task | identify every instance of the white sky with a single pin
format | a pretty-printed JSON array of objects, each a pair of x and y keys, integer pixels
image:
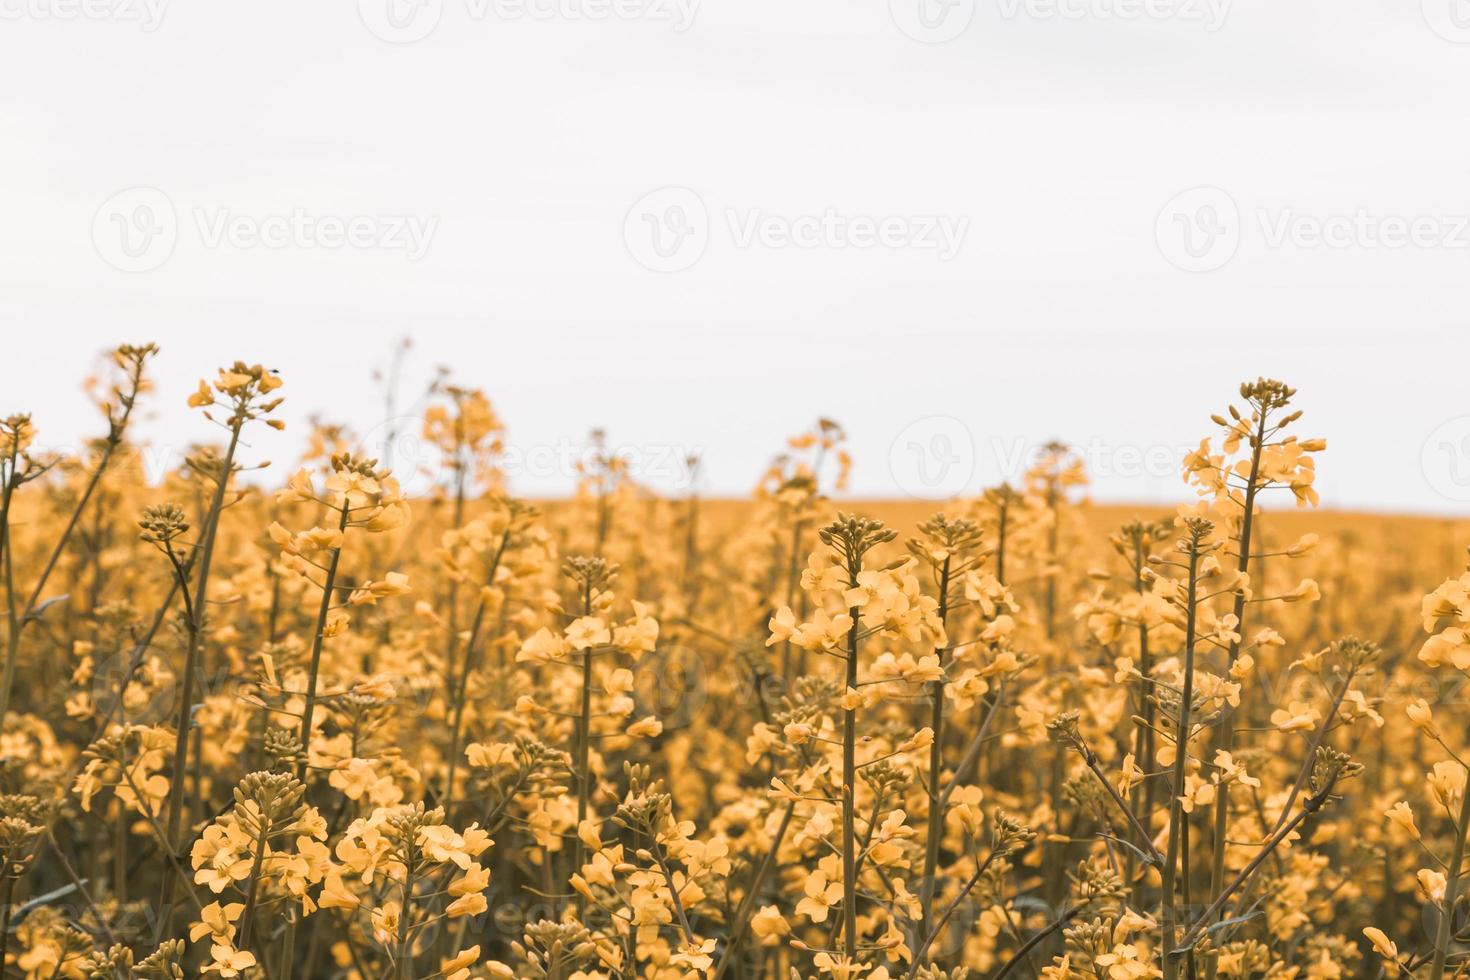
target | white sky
[{"x": 1053, "y": 134}]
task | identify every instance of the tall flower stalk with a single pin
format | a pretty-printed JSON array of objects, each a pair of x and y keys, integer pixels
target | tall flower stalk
[
  {"x": 1194, "y": 547},
  {"x": 242, "y": 389},
  {"x": 357, "y": 496},
  {"x": 851, "y": 538},
  {"x": 15, "y": 433}
]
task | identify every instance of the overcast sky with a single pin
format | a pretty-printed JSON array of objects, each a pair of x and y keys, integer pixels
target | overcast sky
[{"x": 959, "y": 228}]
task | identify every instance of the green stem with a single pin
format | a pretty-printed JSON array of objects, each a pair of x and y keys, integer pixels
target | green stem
[
  {"x": 114, "y": 439},
  {"x": 404, "y": 965},
  {"x": 584, "y": 750},
  {"x": 936, "y": 766},
  {"x": 1451, "y": 891},
  {"x": 1181, "y": 752},
  {"x": 849, "y": 792},
  {"x": 742, "y": 915},
  {"x": 1225, "y": 735},
  {"x": 462, "y": 685},
  {"x": 195, "y": 623},
  {"x": 317, "y": 640}
]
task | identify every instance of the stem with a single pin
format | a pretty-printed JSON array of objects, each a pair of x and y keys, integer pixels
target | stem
[
  {"x": 1037, "y": 940},
  {"x": 930, "y": 934},
  {"x": 849, "y": 782},
  {"x": 195, "y": 622},
  {"x": 742, "y": 915},
  {"x": 936, "y": 766},
  {"x": 464, "y": 676},
  {"x": 317, "y": 641},
  {"x": 584, "y": 749},
  {"x": 288, "y": 948},
  {"x": 1451, "y": 892},
  {"x": 7, "y": 895},
  {"x": 1225, "y": 736},
  {"x": 12, "y": 634},
  {"x": 81, "y": 887},
  {"x": 247, "y": 916},
  {"x": 1153, "y": 852},
  {"x": 12, "y": 645},
  {"x": 1181, "y": 751},
  {"x": 404, "y": 966},
  {"x": 663, "y": 865},
  {"x": 1310, "y": 807}
]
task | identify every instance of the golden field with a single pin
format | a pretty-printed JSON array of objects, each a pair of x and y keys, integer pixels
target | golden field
[{"x": 292, "y": 723}]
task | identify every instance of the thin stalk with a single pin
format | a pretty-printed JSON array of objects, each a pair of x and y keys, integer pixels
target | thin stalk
[
  {"x": 462, "y": 685},
  {"x": 1451, "y": 891},
  {"x": 114, "y": 439},
  {"x": 932, "y": 933},
  {"x": 7, "y": 896},
  {"x": 1225, "y": 734},
  {"x": 742, "y": 914},
  {"x": 1143, "y": 749},
  {"x": 849, "y": 792},
  {"x": 195, "y": 607},
  {"x": 404, "y": 957},
  {"x": 247, "y": 917},
  {"x": 1310, "y": 807},
  {"x": 288, "y": 948},
  {"x": 1036, "y": 940},
  {"x": 584, "y": 748},
  {"x": 318, "y": 638},
  {"x": 936, "y": 767},
  {"x": 80, "y": 886},
  {"x": 1052, "y": 541},
  {"x": 12, "y": 630},
  {"x": 1152, "y": 852},
  {"x": 1181, "y": 752}
]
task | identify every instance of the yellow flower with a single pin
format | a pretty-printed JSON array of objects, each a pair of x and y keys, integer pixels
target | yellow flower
[
  {"x": 456, "y": 967},
  {"x": 769, "y": 925},
  {"x": 217, "y": 922},
  {"x": 588, "y": 632},
  {"x": 1431, "y": 884},
  {"x": 1403, "y": 816},
  {"x": 228, "y": 961},
  {"x": 645, "y": 728},
  {"x": 1384, "y": 947},
  {"x": 820, "y": 895}
]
